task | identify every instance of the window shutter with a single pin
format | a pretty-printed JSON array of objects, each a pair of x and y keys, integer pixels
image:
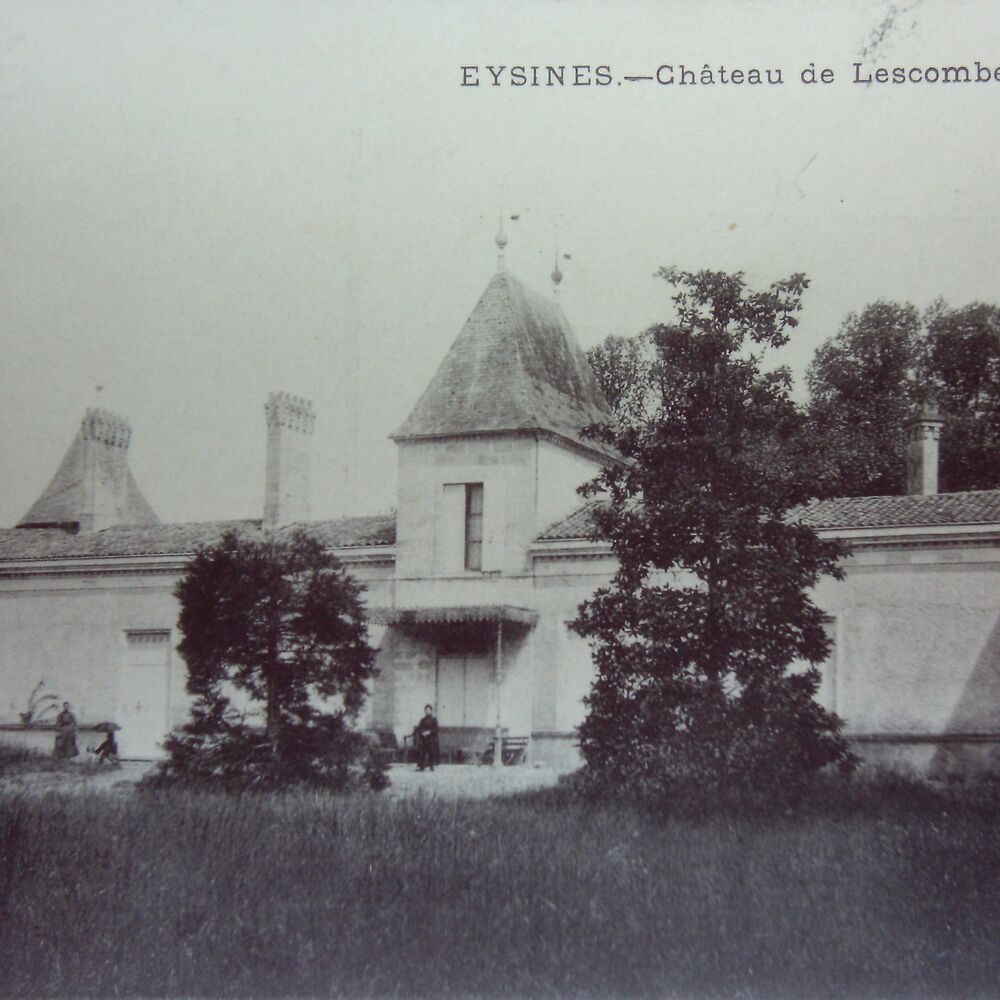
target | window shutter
[
  {"x": 449, "y": 530},
  {"x": 494, "y": 518}
]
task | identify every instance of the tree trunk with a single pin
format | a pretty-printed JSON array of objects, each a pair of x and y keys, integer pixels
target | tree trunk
[{"x": 273, "y": 718}]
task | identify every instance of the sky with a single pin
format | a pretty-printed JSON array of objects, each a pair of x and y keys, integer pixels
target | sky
[{"x": 203, "y": 202}]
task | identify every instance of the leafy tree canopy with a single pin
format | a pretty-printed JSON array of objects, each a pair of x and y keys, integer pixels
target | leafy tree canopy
[
  {"x": 861, "y": 388},
  {"x": 961, "y": 366},
  {"x": 280, "y": 625},
  {"x": 627, "y": 370},
  {"x": 706, "y": 642},
  {"x": 864, "y": 381}
]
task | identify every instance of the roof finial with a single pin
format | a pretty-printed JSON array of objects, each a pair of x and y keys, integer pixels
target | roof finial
[
  {"x": 501, "y": 242},
  {"x": 557, "y": 275}
]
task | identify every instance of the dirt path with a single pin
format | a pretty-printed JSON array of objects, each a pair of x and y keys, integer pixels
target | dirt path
[{"x": 451, "y": 781}]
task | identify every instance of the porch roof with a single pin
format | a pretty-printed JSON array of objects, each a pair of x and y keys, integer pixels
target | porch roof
[{"x": 454, "y": 615}]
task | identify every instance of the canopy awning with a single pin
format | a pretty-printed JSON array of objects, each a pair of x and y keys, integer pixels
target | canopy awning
[{"x": 454, "y": 615}]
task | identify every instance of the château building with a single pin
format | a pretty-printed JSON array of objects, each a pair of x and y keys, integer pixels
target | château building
[{"x": 472, "y": 581}]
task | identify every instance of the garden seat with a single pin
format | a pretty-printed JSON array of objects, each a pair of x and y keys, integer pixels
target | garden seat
[
  {"x": 514, "y": 750},
  {"x": 457, "y": 744}
]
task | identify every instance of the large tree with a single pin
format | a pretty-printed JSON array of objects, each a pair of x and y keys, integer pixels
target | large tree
[
  {"x": 862, "y": 385},
  {"x": 961, "y": 366},
  {"x": 883, "y": 362},
  {"x": 863, "y": 382},
  {"x": 707, "y": 642},
  {"x": 279, "y": 626}
]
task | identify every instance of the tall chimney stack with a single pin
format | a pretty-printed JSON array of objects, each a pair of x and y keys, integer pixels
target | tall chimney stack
[
  {"x": 923, "y": 432},
  {"x": 290, "y": 423},
  {"x": 105, "y": 439}
]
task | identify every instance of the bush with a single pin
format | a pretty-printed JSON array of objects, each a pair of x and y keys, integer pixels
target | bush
[{"x": 236, "y": 756}]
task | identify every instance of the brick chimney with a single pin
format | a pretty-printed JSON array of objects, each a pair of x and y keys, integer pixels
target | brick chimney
[
  {"x": 923, "y": 431},
  {"x": 290, "y": 423}
]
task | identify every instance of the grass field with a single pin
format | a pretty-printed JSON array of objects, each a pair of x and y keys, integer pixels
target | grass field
[{"x": 179, "y": 893}]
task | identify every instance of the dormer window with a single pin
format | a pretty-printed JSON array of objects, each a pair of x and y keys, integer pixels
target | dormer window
[{"x": 474, "y": 526}]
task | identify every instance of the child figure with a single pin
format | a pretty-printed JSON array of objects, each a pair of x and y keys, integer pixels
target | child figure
[{"x": 107, "y": 752}]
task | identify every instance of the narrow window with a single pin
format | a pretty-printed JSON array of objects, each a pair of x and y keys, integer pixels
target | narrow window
[{"x": 474, "y": 526}]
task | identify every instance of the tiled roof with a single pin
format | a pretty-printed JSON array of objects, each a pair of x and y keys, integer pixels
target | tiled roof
[
  {"x": 576, "y": 525},
  {"x": 21, "y": 544},
  {"x": 941, "y": 509},
  {"x": 516, "y": 365},
  {"x": 979, "y": 507}
]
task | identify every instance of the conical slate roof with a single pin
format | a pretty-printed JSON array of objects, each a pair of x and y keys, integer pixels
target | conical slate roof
[
  {"x": 93, "y": 480},
  {"x": 516, "y": 365}
]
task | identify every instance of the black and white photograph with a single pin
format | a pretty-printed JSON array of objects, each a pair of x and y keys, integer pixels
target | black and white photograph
[{"x": 500, "y": 499}]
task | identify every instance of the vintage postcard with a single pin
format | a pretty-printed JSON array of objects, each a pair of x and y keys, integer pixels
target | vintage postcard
[{"x": 319, "y": 676}]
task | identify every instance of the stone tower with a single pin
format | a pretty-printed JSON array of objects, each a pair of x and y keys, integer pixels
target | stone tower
[{"x": 494, "y": 450}]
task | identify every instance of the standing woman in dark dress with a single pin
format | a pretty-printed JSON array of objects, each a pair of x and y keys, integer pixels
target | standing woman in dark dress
[{"x": 66, "y": 733}]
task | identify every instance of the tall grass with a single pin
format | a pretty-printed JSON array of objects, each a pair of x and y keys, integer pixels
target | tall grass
[{"x": 180, "y": 893}]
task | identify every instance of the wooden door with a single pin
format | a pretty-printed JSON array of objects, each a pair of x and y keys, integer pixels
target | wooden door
[
  {"x": 465, "y": 691},
  {"x": 450, "y": 709},
  {"x": 143, "y": 709}
]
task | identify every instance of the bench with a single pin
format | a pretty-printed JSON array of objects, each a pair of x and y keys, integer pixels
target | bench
[
  {"x": 513, "y": 750},
  {"x": 457, "y": 744}
]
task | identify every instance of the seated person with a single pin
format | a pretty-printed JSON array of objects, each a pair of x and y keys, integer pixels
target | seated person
[{"x": 107, "y": 752}]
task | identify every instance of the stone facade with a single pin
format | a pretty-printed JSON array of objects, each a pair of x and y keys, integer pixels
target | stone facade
[{"x": 489, "y": 551}]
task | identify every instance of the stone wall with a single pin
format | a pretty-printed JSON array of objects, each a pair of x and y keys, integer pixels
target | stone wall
[
  {"x": 916, "y": 669},
  {"x": 69, "y": 628},
  {"x": 560, "y": 472},
  {"x": 562, "y": 666},
  {"x": 506, "y": 468},
  {"x": 69, "y": 631}
]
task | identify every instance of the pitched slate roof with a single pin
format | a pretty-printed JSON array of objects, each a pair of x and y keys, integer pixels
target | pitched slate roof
[
  {"x": 62, "y": 502},
  {"x": 516, "y": 365},
  {"x": 938, "y": 510},
  {"x": 24, "y": 544}
]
